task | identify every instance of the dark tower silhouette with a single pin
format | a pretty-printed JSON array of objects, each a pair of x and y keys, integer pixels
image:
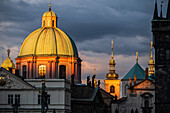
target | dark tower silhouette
[{"x": 161, "y": 39}]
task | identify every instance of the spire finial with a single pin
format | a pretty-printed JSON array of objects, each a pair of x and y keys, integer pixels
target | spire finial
[
  {"x": 94, "y": 70},
  {"x": 136, "y": 57},
  {"x": 151, "y": 49},
  {"x": 49, "y": 5},
  {"x": 8, "y": 51},
  {"x": 161, "y": 9},
  {"x": 155, "y": 16},
  {"x": 112, "y": 50}
]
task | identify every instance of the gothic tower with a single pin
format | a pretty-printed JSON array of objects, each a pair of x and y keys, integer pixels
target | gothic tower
[
  {"x": 161, "y": 43},
  {"x": 112, "y": 83}
]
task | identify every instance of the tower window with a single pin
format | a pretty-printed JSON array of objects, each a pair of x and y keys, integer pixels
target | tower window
[
  {"x": 62, "y": 72},
  {"x": 42, "y": 70},
  {"x": 24, "y": 70},
  {"x": 112, "y": 89},
  {"x": 53, "y": 23},
  {"x": 44, "y": 23}
]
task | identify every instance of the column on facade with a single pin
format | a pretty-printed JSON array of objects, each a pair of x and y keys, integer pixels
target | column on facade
[
  {"x": 56, "y": 69},
  {"x": 31, "y": 69},
  {"x": 49, "y": 69},
  {"x": 34, "y": 69},
  {"x": 53, "y": 69},
  {"x": 28, "y": 67},
  {"x": 75, "y": 71}
]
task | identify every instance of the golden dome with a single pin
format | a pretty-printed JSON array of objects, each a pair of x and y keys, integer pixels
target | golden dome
[
  {"x": 112, "y": 61},
  {"x": 8, "y": 63},
  {"x": 151, "y": 61},
  {"x": 112, "y": 76},
  {"x": 48, "y": 41},
  {"x": 49, "y": 13}
]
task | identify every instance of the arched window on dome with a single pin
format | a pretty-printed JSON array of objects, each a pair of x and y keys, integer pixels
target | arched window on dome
[
  {"x": 42, "y": 70},
  {"x": 112, "y": 89},
  {"x": 62, "y": 72},
  {"x": 43, "y": 22},
  {"x": 52, "y": 23},
  {"x": 24, "y": 71}
]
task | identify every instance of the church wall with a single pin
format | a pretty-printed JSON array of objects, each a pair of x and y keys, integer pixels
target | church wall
[
  {"x": 134, "y": 101},
  {"x": 126, "y": 82}
]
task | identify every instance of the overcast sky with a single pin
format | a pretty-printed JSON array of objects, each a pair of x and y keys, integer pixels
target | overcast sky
[{"x": 92, "y": 24}]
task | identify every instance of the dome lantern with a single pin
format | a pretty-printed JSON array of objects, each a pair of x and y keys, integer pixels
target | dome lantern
[{"x": 49, "y": 18}]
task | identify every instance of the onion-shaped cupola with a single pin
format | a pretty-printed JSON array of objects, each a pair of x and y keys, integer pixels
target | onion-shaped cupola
[
  {"x": 8, "y": 63},
  {"x": 112, "y": 74}
]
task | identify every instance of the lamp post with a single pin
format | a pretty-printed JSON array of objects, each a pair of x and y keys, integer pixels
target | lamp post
[{"x": 43, "y": 96}]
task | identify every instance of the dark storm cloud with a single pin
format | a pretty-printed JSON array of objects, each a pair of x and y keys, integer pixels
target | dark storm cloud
[{"x": 84, "y": 20}]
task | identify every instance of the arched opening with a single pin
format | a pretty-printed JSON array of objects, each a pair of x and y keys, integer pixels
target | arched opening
[
  {"x": 112, "y": 89},
  {"x": 24, "y": 71},
  {"x": 126, "y": 89},
  {"x": 132, "y": 111},
  {"x": 52, "y": 23},
  {"x": 43, "y": 22},
  {"x": 42, "y": 70},
  {"x": 146, "y": 102},
  {"x": 62, "y": 72},
  {"x": 136, "y": 111}
]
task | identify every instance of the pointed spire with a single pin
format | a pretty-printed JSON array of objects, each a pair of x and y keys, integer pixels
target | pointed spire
[
  {"x": 151, "y": 50},
  {"x": 168, "y": 11},
  {"x": 50, "y": 5},
  {"x": 112, "y": 50},
  {"x": 161, "y": 9},
  {"x": 155, "y": 16},
  {"x": 136, "y": 57},
  {"x": 8, "y": 51}
]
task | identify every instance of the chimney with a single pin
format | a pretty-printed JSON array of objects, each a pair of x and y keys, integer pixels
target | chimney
[
  {"x": 130, "y": 81},
  {"x": 135, "y": 78},
  {"x": 146, "y": 73}
]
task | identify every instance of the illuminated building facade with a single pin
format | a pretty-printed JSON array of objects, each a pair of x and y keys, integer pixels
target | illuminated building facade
[{"x": 112, "y": 83}]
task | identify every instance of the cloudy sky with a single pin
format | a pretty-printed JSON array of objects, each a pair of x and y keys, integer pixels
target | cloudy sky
[{"x": 91, "y": 23}]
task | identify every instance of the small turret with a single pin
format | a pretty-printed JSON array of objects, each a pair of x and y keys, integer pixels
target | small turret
[
  {"x": 112, "y": 74},
  {"x": 151, "y": 62}
]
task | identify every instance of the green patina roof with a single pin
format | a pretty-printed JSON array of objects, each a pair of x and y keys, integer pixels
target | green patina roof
[{"x": 136, "y": 70}]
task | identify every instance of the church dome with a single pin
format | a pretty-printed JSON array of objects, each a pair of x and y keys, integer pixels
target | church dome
[
  {"x": 151, "y": 61},
  {"x": 49, "y": 13},
  {"x": 48, "y": 40},
  {"x": 8, "y": 63}
]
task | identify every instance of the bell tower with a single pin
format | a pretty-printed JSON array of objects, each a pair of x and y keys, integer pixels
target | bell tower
[
  {"x": 161, "y": 43},
  {"x": 112, "y": 83},
  {"x": 151, "y": 63}
]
